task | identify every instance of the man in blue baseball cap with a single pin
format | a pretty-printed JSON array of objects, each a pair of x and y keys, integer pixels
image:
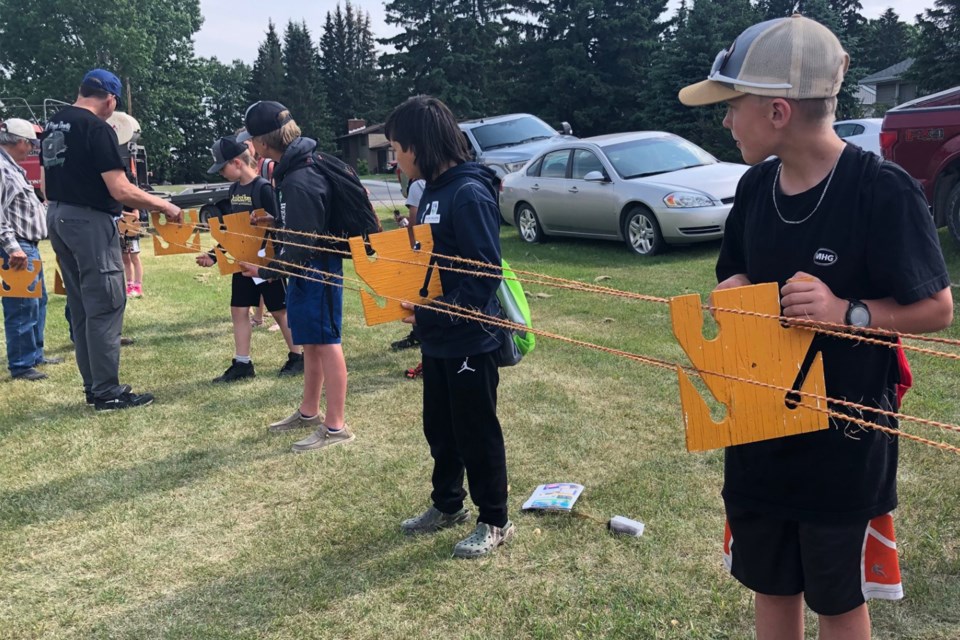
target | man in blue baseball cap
[
  {"x": 103, "y": 80},
  {"x": 86, "y": 187}
]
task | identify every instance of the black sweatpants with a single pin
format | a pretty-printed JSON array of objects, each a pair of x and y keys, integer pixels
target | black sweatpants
[{"x": 461, "y": 426}]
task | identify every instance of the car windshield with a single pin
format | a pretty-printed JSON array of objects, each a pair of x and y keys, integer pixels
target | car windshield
[
  {"x": 511, "y": 132},
  {"x": 650, "y": 156}
]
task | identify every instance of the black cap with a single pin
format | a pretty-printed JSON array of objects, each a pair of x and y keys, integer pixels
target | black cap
[
  {"x": 263, "y": 117},
  {"x": 224, "y": 150}
]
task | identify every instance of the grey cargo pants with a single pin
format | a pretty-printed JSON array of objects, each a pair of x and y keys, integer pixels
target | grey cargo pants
[{"x": 87, "y": 245}]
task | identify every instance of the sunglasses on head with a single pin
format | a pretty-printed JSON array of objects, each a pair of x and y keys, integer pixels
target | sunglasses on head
[{"x": 717, "y": 74}]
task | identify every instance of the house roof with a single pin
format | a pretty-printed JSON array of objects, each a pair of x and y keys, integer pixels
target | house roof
[
  {"x": 374, "y": 128},
  {"x": 890, "y": 73}
]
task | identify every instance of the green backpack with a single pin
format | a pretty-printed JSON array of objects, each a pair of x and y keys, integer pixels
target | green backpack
[{"x": 513, "y": 303}]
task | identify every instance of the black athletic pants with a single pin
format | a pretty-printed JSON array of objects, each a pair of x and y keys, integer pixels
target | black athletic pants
[{"x": 461, "y": 426}]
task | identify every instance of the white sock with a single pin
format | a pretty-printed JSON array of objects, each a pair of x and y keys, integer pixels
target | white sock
[{"x": 243, "y": 359}]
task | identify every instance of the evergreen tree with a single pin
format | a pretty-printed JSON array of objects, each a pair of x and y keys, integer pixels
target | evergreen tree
[
  {"x": 770, "y": 9},
  {"x": 266, "y": 78},
  {"x": 937, "y": 64},
  {"x": 451, "y": 50},
  {"x": 697, "y": 33},
  {"x": 587, "y": 62},
  {"x": 349, "y": 68},
  {"x": 302, "y": 91},
  {"x": 886, "y": 42}
]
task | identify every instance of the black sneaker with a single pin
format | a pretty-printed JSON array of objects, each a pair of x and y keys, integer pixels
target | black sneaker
[
  {"x": 237, "y": 371},
  {"x": 124, "y": 388},
  {"x": 407, "y": 343},
  {"x": 293, "y": 365},
  {"x": 30, "y": 374},
  {"x": 125, "y": 400}
]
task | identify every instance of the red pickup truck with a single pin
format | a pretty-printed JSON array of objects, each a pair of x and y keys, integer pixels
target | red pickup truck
[{"x": 923, "y": 137}]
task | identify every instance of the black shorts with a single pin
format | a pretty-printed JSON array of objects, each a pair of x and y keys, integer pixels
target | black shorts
[
  {"x": 245, "y": 293},
  {"x": 836, "y": 567}
]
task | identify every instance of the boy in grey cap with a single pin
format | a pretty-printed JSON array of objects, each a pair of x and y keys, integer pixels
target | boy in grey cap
[{"x": 849, "y": 239}]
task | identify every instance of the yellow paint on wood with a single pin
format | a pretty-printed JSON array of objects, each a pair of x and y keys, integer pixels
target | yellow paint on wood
[
  {"x": 176, "y": 238},
  {"x": 398, "y": 278},
  {"x": 129, "y": 225},
  {"x": 58, "y": 287},
  {"x": 746, "y": 348},
  {"x": 239, "y": 241},
  {"x": 24, "y": 283}
]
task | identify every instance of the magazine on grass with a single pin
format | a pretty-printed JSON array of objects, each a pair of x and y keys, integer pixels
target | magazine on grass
[{"x": 558, "y": 496}]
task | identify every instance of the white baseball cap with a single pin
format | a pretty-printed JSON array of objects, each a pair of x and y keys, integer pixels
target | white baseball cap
[
  {"x": 793, "y": 57},
  {"x": 19, "y": 127}
]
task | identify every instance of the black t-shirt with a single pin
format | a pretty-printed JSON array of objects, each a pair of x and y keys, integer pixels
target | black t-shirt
[
  {"x": 258, "y": 194},
  {"x": 77, "y": 147},
  {"x": 871, "y": 237}
]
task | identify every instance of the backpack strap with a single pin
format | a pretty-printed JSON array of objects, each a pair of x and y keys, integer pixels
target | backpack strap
[{"x": 905, "y": 374}]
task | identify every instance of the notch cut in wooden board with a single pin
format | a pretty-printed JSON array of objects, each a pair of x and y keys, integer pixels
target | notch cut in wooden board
[
  {"x": 396, "y": 272},
  {"x": 240, "y": 241},
  {"x": 24, "y": 283},
  {"x": 174, "y": 238},
  {"x": 747, "y": 348},
  {"x": 129, "y": 225}
]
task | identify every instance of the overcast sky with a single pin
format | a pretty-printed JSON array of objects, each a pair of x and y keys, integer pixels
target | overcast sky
[{"x": 234, "y": 28}]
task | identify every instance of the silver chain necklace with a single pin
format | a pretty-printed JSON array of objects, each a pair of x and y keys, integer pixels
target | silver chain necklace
[{"x": 776, "y": 181}]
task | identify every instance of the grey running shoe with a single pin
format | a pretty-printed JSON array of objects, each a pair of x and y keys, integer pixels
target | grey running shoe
[
  {"x": 433, "y": 520},
  {"x": 296, "y": 421},
  {"x": 484, "y": 539},
  {"x": 323, "y": 437}
]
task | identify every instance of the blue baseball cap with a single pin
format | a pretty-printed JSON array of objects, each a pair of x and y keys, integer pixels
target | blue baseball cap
[{"x": 104, "y": 81}]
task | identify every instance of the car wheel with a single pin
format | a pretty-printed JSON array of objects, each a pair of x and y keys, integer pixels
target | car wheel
[
  {"x": 528, "y": 224},
  {"x": 641, "y": 232},
  {"x": 207, "y": 211},
  {"x": 953, "y": 212}
]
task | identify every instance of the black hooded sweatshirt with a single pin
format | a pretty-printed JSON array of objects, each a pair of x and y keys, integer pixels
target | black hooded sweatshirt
[
  {"x": 303, "y": 195},
  {"x": 461, "y": 208}
]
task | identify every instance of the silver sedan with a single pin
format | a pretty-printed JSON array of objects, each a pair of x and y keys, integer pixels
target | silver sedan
[{"x": 647, "y": 188}]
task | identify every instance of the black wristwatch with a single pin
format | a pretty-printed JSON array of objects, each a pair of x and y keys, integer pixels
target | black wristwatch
[{"x": 858, "y": 314}]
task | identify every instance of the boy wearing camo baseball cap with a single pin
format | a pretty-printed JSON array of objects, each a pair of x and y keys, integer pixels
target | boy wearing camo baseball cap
[{"x": 849, "y": 239}]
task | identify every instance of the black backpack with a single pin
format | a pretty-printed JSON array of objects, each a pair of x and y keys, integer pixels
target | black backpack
[{"x": 351, "y": 212}]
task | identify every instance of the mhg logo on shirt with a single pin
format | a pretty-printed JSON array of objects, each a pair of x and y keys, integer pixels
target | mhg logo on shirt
[{"x": 825, "y": 257}]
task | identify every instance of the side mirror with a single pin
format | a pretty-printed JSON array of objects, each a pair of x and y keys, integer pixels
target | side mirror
[
  {"x": 566, "y": 128},
  {"x": 595, "y": 176}
]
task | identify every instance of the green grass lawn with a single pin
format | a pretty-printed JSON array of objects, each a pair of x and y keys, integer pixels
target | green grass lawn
[{"x": 188, "y": 520}]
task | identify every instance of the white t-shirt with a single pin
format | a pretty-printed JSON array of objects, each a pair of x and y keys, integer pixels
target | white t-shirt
[{"x": 415, "y": 192}]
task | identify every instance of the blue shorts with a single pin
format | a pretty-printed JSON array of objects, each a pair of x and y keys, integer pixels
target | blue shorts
[{"x": 315, "y": 309}]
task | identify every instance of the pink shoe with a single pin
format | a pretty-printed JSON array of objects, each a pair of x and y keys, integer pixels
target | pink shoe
[
  {"x": 129, "y": 289},
  {"x": 137, "y": 290}
]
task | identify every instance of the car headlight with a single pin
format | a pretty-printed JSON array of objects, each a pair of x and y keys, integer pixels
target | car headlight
[
  {"x": 514, "y": 166},
  {"x": 687, "y": 200}
]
